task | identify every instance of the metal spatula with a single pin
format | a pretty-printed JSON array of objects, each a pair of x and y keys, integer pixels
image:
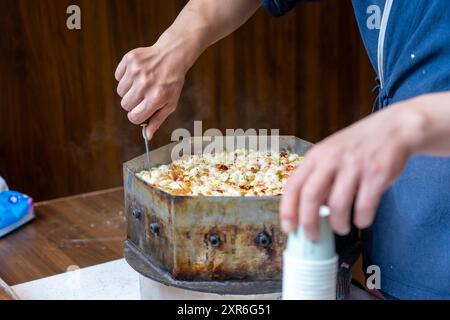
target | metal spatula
[{"x": 147, "y": 149}]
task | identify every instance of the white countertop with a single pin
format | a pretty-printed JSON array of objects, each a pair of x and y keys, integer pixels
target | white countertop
[{"x": 114, "y": 280}]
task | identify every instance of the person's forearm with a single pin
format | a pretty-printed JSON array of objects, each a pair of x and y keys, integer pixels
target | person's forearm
[
  {"x": 204, "y": 22},
  {"x": 432, "y": 123},
  {"x": 151, "y": 78}
]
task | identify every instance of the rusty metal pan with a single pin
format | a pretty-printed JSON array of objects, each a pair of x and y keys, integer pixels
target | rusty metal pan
[{"x": 228, "y": 245}]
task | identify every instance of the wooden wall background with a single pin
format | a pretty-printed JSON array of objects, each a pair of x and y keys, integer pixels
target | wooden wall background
[{"x": 62, "y": 130}]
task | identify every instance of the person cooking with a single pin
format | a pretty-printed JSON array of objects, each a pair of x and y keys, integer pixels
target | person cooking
[{"x": 390, "y": 165}]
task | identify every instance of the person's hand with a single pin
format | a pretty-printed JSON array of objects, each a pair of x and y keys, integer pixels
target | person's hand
[
  {"x": 151, "y": 79},
  {"x": 353, "y": 166},
  {"x": 150, "y": 83}
]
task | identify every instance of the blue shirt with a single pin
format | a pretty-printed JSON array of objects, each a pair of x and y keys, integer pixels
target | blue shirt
[{"x": 410, "y": 237}]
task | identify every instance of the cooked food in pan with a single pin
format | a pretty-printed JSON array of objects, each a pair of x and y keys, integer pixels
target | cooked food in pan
[{"x": 236, "y": 173}]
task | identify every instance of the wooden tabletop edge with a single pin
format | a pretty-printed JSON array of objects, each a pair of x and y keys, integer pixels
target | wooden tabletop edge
[{"x": 83, "y": 195}]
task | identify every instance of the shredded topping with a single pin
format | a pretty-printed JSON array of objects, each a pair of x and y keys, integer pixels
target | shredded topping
[{"x": 236, "y": 173}]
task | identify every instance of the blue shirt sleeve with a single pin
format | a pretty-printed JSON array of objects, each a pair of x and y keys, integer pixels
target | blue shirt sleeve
[{"x": 277, "y": 8}]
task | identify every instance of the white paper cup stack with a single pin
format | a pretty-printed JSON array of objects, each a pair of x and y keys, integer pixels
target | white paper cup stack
[
  {"x": 309, "y": 280},
  {"x": 310, "y": 267}
]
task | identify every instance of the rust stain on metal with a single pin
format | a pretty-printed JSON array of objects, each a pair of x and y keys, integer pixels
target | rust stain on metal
[{"x": 237, "y": 257}]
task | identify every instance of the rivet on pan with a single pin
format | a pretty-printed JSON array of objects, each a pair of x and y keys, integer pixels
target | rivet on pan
[
  {"x": 214, "y": 240},
  {"x": 136, "y": 213},
  {"x": 263, "y": 239},
  {"x": 155, "y": 228}
]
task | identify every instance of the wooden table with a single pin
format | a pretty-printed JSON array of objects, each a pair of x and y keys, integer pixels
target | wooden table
[{"x": 81, "y": 231}]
